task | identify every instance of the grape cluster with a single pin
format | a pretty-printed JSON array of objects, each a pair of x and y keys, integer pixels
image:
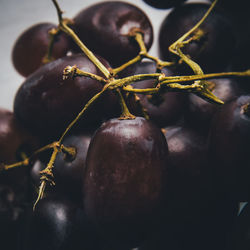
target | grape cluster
[{"x": 109, "y": 147}]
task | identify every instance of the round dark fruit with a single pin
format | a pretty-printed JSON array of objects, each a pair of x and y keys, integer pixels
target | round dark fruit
[
  {"x": 46, "y": 103},
  {"x": 200, "y": 112},
  {"x": 214, "y": 48},
  {"x": 164, "y": 108},
  {"x": 187, "y": 157},
  {"x": 16, "y": 143},
  {"x": 124, "y": 179},
  {"x": 58, "y": 223},
  {"x": 32, "y": 46},
  {"x": 229, "y": 149},
  {"x": 105, "y": 27},
  {"x": 68, "y": 170},
  {"x": 11, "y": 210},
  {"x": 163, "y": 4}
]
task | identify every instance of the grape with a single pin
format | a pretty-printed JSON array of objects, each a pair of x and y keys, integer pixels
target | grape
[
  {"x": 163, "y": 4},
  {"x": 46, "y": 104},
  {"x": 228, "y": 149},
  {"x": 108, "y": 25},
  {"x": 69, "y": 171},
  {"x": 199, "y": 113},
  {"x": 58, "y": 223},
  {"x": 163, "y": 109},
  {"x": 32, "y": 46},
  {"x": 213, "y": 50},
  {"x": 123, "y": 186}
]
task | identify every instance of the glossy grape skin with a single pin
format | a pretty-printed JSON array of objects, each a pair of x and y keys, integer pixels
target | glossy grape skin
[
  {"x": 15, "y": 141},
  {"x": 124, "y": 186},
  {"x": 187, "y": 157},
  {"x": 14, "y": 183},
  {"x": 13, "y": 138},
  {"x": 68, "y": 172},
  {"x": 197, "y": 218},
  {"x": 163, "y": 4},
  {"x": 239, "y": 14},
  {"x": 58, "y": 223},
  {"x": 46, "y": 103},
  {"x": 214, "y": 51},
  {"x": 107, "y": 25},
  {"x": 32, "y": 45},
  {"x": 199, "y": 112},
  {"x": 164, "y": 109},
  {"x": 232, "y": 5},
  {"x": 229, "y": 149}
]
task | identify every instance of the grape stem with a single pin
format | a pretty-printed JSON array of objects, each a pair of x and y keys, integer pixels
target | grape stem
[
  {"x": 172, "y": 47},
  {"x": 169, "y": 83},
  {"x": 125, "y": 111},
  {"x": 27, "y": 160},
  {"x": 46, "y": 176},
  {"x": 65, "y": 28},
  {"x": 138, "y": 36}
]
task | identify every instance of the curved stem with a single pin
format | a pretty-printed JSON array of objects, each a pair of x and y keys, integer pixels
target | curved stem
[
  {"x": 181, "y": 39},
  {"x": 65, "y": 28},
  {"x": 125, "y": 65},
  {"x": 26, "y": 161},
  {"x": 90, "y": 102},
  {"x": 125, "y": 111},
  {"x": 70, "y": 152},
  {"x": 73, "y": 71},
  {"x": 46, "y": 176},
  {"x": 142, "y": 54},
  {"x": 48, "y": 57}
]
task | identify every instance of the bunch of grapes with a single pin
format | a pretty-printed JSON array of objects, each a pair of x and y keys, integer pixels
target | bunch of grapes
[{"x": 109, "y": 147}]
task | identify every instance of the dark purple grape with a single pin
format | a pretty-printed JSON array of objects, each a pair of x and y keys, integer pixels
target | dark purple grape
[
  {"x": 187, "y": 157},
  {"x": 58, "y": 223},
  {"x": 200, "y": 112},
  {"x": 229, "y": 149},
  {"x": 46, "y": 103},
  {"x": 239, "y": 14},
  {"x": 164, "y": 108},
  {"x": 124, "y": 179},
  {"x": 232, "y": 5},
  {"x": 208, "y": 230},
  {"x": 15, "y": 143},
  {"x": 32, "y": 45},
  {"x": 11, "y": 211},
  {"x": 214, "y": 50},
  {"x": 69, "y": 171},
  {"x": 163, "y": 4},
  {"x": 14, "y": 139},
  {"x": 104, "y": 28}
]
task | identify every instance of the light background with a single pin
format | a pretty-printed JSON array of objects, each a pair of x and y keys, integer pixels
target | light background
[{"x": 18, "y": 15}]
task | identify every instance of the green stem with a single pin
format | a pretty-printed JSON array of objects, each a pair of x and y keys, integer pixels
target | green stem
[
  {"x": 181, "y": 39},
  {"x": 73, "y": 71},
  {"x": 63, "y": 26},
  {"x": 88, "y": 104},
  {"x": 125, "y": 111},
  {"x": 46, "y": 176}
]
